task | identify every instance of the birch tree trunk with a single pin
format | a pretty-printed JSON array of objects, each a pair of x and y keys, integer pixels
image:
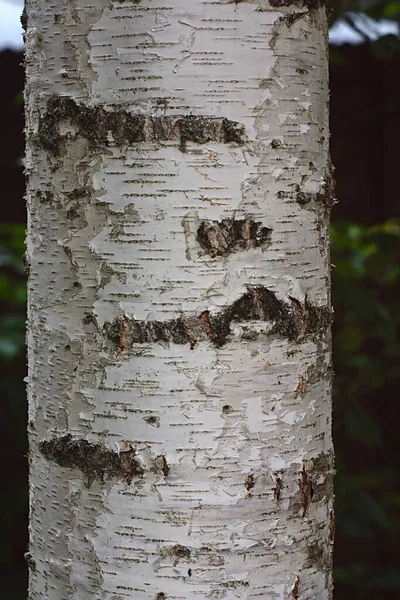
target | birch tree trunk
[{"x": 179, "y": 316}]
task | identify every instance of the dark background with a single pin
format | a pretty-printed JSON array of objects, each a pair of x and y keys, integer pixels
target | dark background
[{"x": 365, "y": 147}]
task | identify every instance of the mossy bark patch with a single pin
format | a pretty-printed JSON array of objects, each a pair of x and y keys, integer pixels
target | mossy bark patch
[
  {"x": 219, "y": 238},
  {"x": 94, "y": 460},
  {"x": 292, "y": 321},
  {"x": 105, "y": 127}
]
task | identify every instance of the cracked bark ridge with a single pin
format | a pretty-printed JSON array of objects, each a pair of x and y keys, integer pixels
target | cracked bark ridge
[
  {"x": 116, "y": 127},
  {"x": 292, "y": 321},
  {"x": 219, "y": 238},
  {"x": 94, "y": 460}
]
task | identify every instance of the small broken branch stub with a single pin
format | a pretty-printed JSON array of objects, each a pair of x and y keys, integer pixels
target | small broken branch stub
[{"x": 94, "y": 460}]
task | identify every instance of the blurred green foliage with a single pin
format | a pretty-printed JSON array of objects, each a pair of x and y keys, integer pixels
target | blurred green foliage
[
  {"x": 13, "y": 509},
  {"x": 377, "y": 9},
  {"x": 366, "y": 288},
  {"x": 12, "y": 291},
  {"x": 386, "y": 46}
]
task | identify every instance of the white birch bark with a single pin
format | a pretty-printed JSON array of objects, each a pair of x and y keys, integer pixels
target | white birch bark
[{"x": 179, "y": 314}]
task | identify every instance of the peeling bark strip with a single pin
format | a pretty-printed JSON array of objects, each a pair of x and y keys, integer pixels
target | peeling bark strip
[
  {"x": 219, "y": 238},
  {"x": 93, "y": 460},
  {"x": 97, "y": 125},
  {"x": 257, "y": 304}
]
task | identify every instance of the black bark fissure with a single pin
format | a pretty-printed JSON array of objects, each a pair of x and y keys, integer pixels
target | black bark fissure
[
  {"x": 94, "y": 460},
  {"x": 115, "y": 127},
  {"x": 219, "y": 238},
  {"x": 292, "y": 321}
]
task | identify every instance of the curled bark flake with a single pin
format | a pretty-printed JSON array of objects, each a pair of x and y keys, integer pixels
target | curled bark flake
[
  {"x": 94, "y": 460},
  {"x": 219, "y": 238},
  {"x": 116, "y": 127},
  {"x": 292, "y": 321}
]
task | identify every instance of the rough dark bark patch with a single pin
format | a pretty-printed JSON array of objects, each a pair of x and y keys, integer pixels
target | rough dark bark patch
[
  {"x": 310, "y": 4},
  {"x": 315, "y": 483},
  {"x": 292, "y": 321},
  {"x": 319, "y": 556},
  {"x": 45, "y": 196},
  {"x": 179, "y": 551},
  {"x": 219, "y": 238},
  {"x": 328, "y": 196},
  {"x": 96, "y": 124},
  {"x": 93, "y": 460}
]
